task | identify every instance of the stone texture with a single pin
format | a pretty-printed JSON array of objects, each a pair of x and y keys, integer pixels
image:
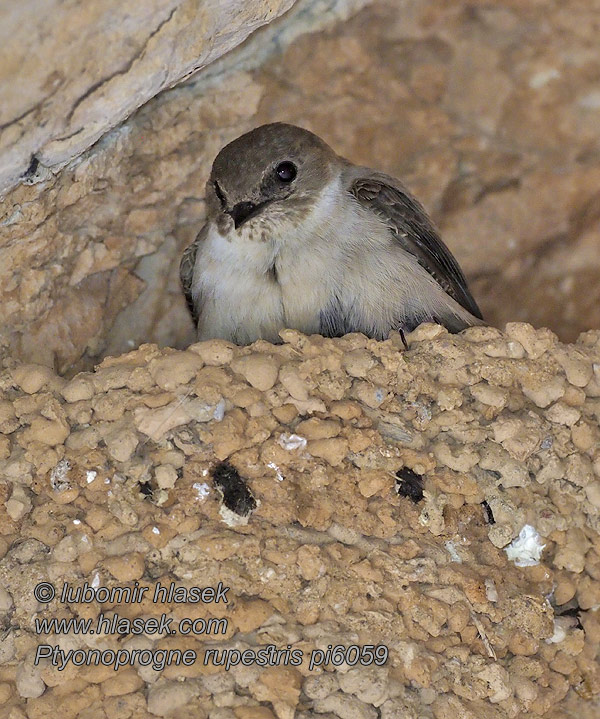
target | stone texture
[
  {"x": 332, "y": 554},
  {"x": 71, "y": 71}
]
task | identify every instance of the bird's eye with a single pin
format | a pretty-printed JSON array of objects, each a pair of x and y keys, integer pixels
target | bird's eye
[
  {"x": 219, "y": 194},
  {"x": 286, "y": 171}
]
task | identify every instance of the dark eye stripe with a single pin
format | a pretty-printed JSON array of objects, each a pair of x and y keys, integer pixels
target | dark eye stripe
[{"x": 219, "y": 194}]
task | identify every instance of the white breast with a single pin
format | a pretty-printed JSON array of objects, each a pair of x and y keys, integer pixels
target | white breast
[
  {"x": 272, "y": 273},
  {"x": 238, "y": 298},
  {"x": 243, "y": 300}
]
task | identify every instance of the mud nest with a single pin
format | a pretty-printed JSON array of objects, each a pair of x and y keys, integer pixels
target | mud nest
[{"x": 441, "y": 502}]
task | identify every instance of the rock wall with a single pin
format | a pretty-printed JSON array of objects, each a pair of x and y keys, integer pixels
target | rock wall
[
  {"x": 443, "y": 503},
  {"x": 489, "y": 113},
  {"x": 71, "y": 71}
]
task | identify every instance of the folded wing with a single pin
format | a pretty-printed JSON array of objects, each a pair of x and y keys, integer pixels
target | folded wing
[
  {"x": 186, "y": 274},
  {"x": 412, "y": 228}
]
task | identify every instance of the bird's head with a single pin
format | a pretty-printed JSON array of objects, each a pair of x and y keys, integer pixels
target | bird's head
[{"x": 274, "y": 172}]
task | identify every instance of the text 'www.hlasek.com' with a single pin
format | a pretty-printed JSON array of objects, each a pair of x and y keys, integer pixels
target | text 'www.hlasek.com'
[{"x": 94, "y": 632}]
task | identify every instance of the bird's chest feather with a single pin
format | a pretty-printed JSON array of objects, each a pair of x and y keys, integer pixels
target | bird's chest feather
[
  {"x": 268, "y": 276},
  {"x": 240, "y": 300}
]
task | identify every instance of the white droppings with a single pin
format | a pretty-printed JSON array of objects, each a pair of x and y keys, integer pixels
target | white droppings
[
  {"x": 423, "y": 411},
  {"x": 232, "y": 519},
  {"x": 205, "y": 472},
  {"x": 202, "y": 489},
  {"x": 59, "y": 480},
  {"x": 451, "y": 549},
  {"x": 155, "y": 530},
  {"x": 543, "y": 77},
  {"x": 266, "y": 575},
  {"x": 274, "y": 467},
  {"x": 107, "y": 480},
  {"x": 559, "y": 634},
  {"x": 491, "y": 592},
  {"x": 291, "y": 441},
  {"x": 90, "y": 476},
  {"x": 219, "y": 411},
  {"x": 76, "y": 521},
  {"x": 526, "y": 549},
  {"x": 96, "y": 581}
]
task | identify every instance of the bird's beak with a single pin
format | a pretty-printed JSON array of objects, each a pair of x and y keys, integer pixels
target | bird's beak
[{"x": 242, "y": 212}]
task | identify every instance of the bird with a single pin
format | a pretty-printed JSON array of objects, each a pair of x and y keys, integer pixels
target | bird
[{"x": 298, "y": 237}]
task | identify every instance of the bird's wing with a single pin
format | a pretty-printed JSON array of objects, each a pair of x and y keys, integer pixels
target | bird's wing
[
  {"x": 413, "y": 229},
  {"x": 186, "y": 274}
]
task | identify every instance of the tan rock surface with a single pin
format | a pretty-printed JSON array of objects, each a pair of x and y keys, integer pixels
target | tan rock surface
[
  {"x": 71, "y": 71},
  {"x": 331, "y": 554}
]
